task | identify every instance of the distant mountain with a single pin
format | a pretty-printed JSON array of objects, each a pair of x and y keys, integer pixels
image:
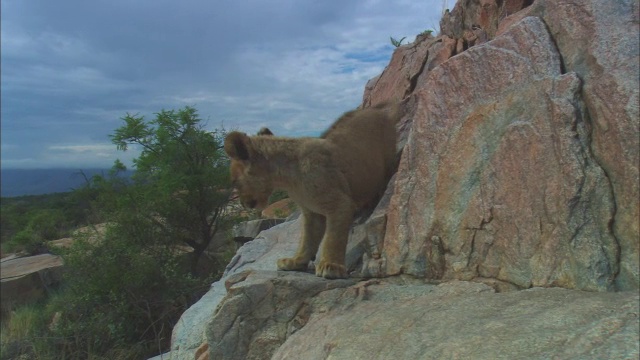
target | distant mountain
[{"x": 18, "y": 182}]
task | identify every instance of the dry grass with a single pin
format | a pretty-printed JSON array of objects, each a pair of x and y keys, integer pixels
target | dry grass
[{"x": 20, "y": 331}]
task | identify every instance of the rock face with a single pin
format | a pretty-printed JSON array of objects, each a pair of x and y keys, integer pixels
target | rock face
[
  {"x": 473, "y": 22},
  {"x": 522, "y": 161},
  {"x": 598, "y": 40},
  {"x": 499, "y": 178},
  {"x": 511, "y": 227}
]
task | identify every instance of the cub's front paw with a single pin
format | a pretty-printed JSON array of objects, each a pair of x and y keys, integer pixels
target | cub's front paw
[
  {"x": 331, "y": 271},
  {"x": 292, "y": 264}
]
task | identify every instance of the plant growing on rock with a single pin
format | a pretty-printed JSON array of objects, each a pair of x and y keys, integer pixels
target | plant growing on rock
[
  {"x": 427, "y": 33},
  {"x": 396, "y": 43}
]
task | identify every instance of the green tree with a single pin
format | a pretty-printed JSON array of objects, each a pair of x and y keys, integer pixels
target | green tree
[
  {"x": 124, "y": 291},
  {"x": 181, "y": 183}
]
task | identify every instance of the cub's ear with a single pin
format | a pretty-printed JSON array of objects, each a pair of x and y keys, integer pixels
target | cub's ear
[
  {"x": 238, "y": 146},
  {"x": 265, "y": 131}
]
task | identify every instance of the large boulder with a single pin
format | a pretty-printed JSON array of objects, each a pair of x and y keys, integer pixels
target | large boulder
[
  {"x": 494, "y": 184},
  {"x": 594, "y": 43},
  {"x": 393, "y": 319},
  {"x": 259, "y": 254},
  {"x": 598, "y": 40},
  {"x": 260, "y": 311},
  {"x": 499, "y": 180},
  {"x": 253, "y": 313}
]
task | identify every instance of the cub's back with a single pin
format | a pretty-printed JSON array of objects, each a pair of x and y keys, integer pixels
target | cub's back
[{"x": 365, "y": 149}]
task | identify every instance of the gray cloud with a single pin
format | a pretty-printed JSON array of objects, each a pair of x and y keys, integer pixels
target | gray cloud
[{"x": 71, "y": 69}]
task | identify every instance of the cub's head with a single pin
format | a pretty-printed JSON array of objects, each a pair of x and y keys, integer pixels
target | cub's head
[
  {"x": 265, "y": 131},
  {"x": 249, "y": 171}
]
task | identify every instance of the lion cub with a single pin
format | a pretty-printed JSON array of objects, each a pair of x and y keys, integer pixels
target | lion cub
[{"x": 330, "y": 177}]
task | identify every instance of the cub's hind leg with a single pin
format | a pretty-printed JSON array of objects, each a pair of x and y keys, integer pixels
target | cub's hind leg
[{"x": 334, "y": 243}]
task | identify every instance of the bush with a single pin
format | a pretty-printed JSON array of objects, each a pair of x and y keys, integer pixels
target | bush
[
  {"x": 121, "y": 294},
  {"x": 24, "y": 240},
  {"x": 43, "y": 225}
]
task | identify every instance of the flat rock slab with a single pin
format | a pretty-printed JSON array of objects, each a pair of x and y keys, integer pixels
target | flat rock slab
[
  {"x": 465, "y": 320},
  {"x": 16, "y": 267},
  {"x": 27, "y": 279}
]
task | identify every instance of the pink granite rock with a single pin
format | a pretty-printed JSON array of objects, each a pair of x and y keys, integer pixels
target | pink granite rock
[
  {"x": 498, "y": 175},
  {"x": 598, "y": 40}
]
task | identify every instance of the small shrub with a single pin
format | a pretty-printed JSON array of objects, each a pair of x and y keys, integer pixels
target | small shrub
[
  {"x": 395, "y": 42},
  {"x": 427, "y": 33}
]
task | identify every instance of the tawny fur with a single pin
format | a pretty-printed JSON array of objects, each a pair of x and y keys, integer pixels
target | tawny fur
[{"x": 329, "y": 178}]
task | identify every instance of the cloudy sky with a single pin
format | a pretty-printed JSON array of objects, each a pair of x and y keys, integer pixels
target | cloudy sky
[{"x": 72, "y": 68}]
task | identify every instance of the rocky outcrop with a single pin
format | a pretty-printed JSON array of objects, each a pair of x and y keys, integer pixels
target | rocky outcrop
[
  {"x": 258, "y": 255},
  {"x": 264, "y": 314},
  {"x": 27, "y": 279},
  {"x": 261, "y": 310},
  {"x": 517, "y": 190},
  {"x": 396, "y": 319},
  {"x": 510, "y": 170},
  {"x": 93, "y": 234},
  {"x": 598, "y": 40},
  {"x": 473, "y": 22},
  {"x": 505, "y": 160}
]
